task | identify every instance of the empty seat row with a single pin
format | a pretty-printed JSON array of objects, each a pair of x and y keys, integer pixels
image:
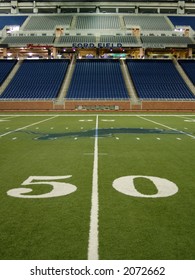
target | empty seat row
[
  {"x": 5, "y": 68},
  {"x": 94, "y": 79},
  {"x": 189, "y": 68},
  {"x": 183, "y": 21},
  {"x": 166, "y": 40},
  {"x": 97, "y": 22},
  {"x": 47, "y": 22},
  {"x": 11, "y": 20},
  {"x": 37, "y": 79},
  {"x": 148, "y": 22},
  {"x": 145, "y": 22},
  {"x": 158, "y": 79},
  {"x": 24, "y": 40}
]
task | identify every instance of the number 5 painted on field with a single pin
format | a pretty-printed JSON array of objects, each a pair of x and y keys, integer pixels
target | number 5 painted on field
[{"x": 59, "y": 188}]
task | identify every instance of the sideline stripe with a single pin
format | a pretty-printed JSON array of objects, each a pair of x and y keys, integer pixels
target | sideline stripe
[
  {"x": 18, "y": 129},
  {"x": 180, "y": 131},
  {"x": 103, "y": 115},
  {"x": 93, "y": 230}
]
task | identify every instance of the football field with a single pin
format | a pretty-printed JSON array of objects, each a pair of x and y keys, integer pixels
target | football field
[{"x": 106, "y": 186}]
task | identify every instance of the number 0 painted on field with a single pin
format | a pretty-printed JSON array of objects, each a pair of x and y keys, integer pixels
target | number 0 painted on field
[
  {"x": 59, "y": 188},
  {"x": 126, "y": 186}
]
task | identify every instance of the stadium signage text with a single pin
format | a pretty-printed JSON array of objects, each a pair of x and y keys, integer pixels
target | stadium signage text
[{"x": 98, "y": 45}]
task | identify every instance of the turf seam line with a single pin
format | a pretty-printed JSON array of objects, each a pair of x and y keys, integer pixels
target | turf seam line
[
  {"x": 180, "y": 131},
  {"x": 18, "y": 129},
  {"x": 93, "y": 229}
]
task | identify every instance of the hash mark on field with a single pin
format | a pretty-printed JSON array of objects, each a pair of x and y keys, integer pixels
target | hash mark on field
[
  {"x": 85, "y": 120},
  {"x": 190, "y": 120},
  {"x": 138, "y": 138},
  {"x": 14, "y": 138},
  {"x": 178, "y": 138},
  {"x": 117, "y": 138},
  {"x": 104, "y": 120},
  {"x": 158, "y": 138}
]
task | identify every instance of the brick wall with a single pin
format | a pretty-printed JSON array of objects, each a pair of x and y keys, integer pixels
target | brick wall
[
  {"x": 98, "y": 106},
  {"x": 168, "y": 105},
  {"x": 26, "y": 106}
]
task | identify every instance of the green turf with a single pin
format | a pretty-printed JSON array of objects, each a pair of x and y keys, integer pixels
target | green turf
[{"x": 129, "y": 227}]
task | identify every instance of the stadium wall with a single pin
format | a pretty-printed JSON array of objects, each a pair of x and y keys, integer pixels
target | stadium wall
[
  {"x": 98, "y": 105},
  {"x": 168, "y": 106},
  {"x": 26, "y": 105},
  {"x": 187, "y": 106}
]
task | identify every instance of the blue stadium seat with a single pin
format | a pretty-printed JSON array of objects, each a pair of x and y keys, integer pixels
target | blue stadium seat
[
  {"x": 189, "y": 68},
  {"x": 37, "y": 79},
  {"x": 11, "y": 20},
  {"x": 5, "y": 68},
  {"x": 97, "y": 79},
  {"x": 158, "y": 79},
  {"x": 183, "y": 21}
]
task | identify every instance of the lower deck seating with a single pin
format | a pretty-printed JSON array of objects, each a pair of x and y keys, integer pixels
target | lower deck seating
[
  {"x": 96, "y": 79},
  {"x": 158, "y": 79},
  {"x": 189, "y": 67},
  {"x": 5, "y": 68},
  {"x": 37, "y": 79}
]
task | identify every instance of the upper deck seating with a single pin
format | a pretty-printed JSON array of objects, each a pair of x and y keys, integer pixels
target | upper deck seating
[
  {"x": 166, "y": 40},
  {"x": 48, "y": 22},
  {"x": 37, "y": 79},
  {"x": 158, "y": 79},
  {"x": 98, "y": 22},
  {"x": 97, "y": 79},
  {"x": 183, "y": 21},
  {"x": 147, "y": 22},
  {"x": 189, "y": 67},
  {"x": 5, "y": 68},
  {"x": 76, "y": 39},
  {"x": 24, "y": 40},
  {"x": 11, "y": 20},
  {"x": 128, "y": 39}
]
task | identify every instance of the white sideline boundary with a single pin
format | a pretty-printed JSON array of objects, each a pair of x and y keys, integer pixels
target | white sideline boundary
[
  {"x": 100, "y": 114},
  {"x": 93, "y": 228}
]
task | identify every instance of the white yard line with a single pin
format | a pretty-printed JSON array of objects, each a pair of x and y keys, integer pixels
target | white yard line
[
  {"x": 93, "y": 230},
  {"x": 180, "y": 131},
  {"x": 21, "y": 128}
]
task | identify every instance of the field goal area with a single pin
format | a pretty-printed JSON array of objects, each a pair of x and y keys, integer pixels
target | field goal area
[{"x": 97, "y": 186}]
